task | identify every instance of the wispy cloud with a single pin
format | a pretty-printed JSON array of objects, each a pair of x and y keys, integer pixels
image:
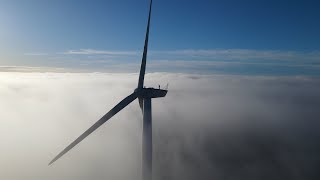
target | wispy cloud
[
  {"x": 192, "y": 63},
  {"x": 36, "y": 54},
  {"x": 210, "y": 54},
  {"x": 99, "y": 52},
  {"x": 31, "y": 69},
  {"x": 244, "y": 54}
]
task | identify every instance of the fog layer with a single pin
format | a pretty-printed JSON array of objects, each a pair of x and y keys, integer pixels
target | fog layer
[{"x": 208, "y": 127}]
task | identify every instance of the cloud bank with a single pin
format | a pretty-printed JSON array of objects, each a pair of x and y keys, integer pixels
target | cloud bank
[
  {"x": 208, "y": 127},
  {"x": 210, "y": 61}
]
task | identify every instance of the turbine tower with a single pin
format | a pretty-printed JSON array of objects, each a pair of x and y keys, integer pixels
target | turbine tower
[{"x": 144, "y": 96}]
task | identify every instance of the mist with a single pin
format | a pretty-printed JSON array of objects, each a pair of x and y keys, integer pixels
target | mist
[{"x": 208, "y": 126}]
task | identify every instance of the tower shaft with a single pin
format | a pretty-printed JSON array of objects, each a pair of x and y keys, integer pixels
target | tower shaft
[{"x": 147, "y": 140}]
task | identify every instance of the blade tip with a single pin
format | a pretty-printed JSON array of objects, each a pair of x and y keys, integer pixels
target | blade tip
[{"x": 51, "y": 162}]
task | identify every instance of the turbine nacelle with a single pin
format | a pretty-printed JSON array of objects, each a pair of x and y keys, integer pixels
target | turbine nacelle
[{"x": 150, "y": 92}]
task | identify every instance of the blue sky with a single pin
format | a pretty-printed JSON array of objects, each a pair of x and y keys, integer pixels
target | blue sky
[{"x": 204, "y": 36}]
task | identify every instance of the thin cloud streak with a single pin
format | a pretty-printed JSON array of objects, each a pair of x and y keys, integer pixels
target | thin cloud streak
[
  {"x": 36, "y": 54},
  {"x": 193, "y": 63},
  {"x": 98, "y": 52},
  {"x": 221, "y": 54},
  {"x": 31, "y": 69},
  {"x": 241, "y": 54}
]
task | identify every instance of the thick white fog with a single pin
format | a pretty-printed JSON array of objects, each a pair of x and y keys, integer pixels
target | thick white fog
[{"x": 208, "y": 126}]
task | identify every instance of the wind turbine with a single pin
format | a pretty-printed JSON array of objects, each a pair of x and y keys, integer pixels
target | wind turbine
[{"x": 144, "y": 96}]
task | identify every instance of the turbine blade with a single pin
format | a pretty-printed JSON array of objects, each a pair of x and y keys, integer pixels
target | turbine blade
[
  {"x": 145, "y": 52},
  {"x": 96, "y": 125}
]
